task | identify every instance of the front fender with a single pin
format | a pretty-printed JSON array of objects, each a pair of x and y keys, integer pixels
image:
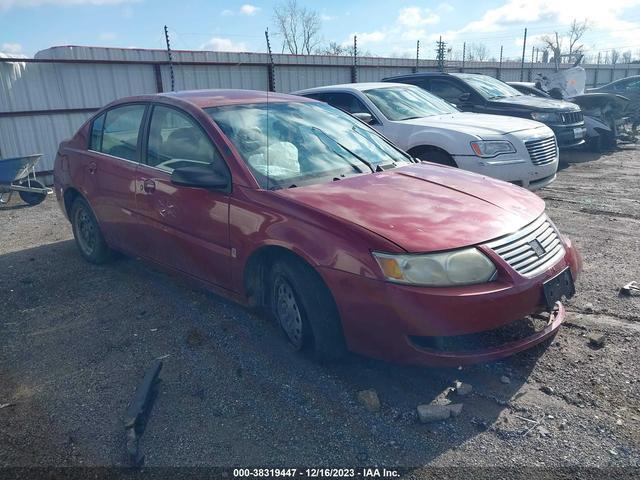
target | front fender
[{"x": 454, "y": 143}]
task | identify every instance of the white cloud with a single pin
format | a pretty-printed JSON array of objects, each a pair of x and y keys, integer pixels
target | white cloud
[
  {"x": 226, "y": 13},
  {"x": 224, "y": 45},
  {"x": 410, "y": 24},
  {"x": 108, "y": 36},
  {"x": 7, "y": 4},
  {"x": 11, "y": 48},
  {"x": 248, "y": 9},
  {"x": 326, "y": 18}
]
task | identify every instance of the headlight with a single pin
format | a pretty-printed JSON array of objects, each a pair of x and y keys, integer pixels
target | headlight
[
  {"x": 492, "y": 148},
  {"x": 459, "y": 267},
  {"x": 546, "y": 117}
]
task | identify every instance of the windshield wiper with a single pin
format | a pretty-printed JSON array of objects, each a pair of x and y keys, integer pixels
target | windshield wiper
[{"x": 331, "y": 140}]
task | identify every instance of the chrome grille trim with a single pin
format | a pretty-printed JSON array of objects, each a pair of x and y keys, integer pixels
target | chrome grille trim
[
  {"x": 542, "y": 151},
  {"x": 516, "y": 251},
  {"x": 569, "y": 118}
]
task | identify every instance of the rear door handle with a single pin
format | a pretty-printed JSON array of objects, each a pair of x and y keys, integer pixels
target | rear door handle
[
  {"x": 92, "y": 168},
  {"x": 149, "y": 186}
]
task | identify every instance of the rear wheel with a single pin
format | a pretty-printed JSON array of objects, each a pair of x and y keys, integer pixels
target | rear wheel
[
  {"x": 32, "y": 198},
  {"x": 305, "y": 310},
  {"x": 87, "y": 233},
  {"x": 435, "y": 155}
]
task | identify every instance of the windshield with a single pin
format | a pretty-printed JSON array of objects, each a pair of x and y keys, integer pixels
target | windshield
[
  {"x": 489, "y": 87},
  {"x": 296, "y": 143},
  {"x": 404, "y": 103}
]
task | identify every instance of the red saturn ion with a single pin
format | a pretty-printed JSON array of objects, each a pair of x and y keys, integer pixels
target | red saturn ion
[{"x": 289, "y": 204}]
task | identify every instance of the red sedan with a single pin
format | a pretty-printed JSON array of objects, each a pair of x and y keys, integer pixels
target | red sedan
[{"x": 286, "y": 203}]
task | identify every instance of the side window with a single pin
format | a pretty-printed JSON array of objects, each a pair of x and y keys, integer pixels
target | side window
[
  {"x": 176, "y": 140},
  {"x": 96, "y": 133},
  {"x": 633, "y": 86},
  {"x": 120, "y": 131},
  {"x": 445, "y": 89},
  {"x": 347, "y": 102}
]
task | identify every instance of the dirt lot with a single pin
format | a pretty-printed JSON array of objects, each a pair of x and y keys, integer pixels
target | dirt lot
[{"x": 75, "y": 340}]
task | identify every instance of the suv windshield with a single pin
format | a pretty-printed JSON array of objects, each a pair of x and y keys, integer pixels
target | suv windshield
[
  {"x": 295, "y": 143},
  {"x": 488, "y": 87},
  {"x": 404, "y": 103}
]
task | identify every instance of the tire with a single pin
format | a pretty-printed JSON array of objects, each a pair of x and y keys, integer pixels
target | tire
[
  {"x": 32, "y": 198},
  {"x": 435, "y": 156},
  {"x": 87, "y": 234},
  {"x": 304, "y": 308}
]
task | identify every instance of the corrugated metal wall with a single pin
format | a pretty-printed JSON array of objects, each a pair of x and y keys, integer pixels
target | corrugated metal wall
[{"x": 63, "y": 85}]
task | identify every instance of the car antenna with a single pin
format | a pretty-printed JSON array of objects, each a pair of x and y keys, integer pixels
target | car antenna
[{"x": 270, "y": 88}]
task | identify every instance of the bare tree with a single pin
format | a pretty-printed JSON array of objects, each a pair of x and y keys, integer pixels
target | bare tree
[
  {"x": 627, "y": 57},
  {"x": 298, "y": 26},
  {"x": 477, "y": 52},
  {"x": 615, "y": 56},
  {"x": 335, "y": 48},
  {"x": 554, "y": 42},
  {"x": 575, "y": 33}
]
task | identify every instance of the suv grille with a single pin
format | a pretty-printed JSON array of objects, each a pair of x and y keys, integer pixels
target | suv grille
[
  {"x": 572, "y": 117},
  {"x": 531, "y": 250},
  {"x": 542, "y": 151}
]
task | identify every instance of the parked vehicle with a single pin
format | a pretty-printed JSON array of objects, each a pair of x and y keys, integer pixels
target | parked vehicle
[
  {"x": 628, "y": 87},
  {"x": 605, "y": 115},
  {"x": 292, "y": 205},
  {"x": 516, "y": 150},
  {"x": 472, "y": 92}
]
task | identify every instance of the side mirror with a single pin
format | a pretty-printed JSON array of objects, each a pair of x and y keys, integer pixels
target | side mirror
[
  {"x": 200, "y": 176},
  {"x": 464, "y": 98},
  {"x": 364, "y": 117}
]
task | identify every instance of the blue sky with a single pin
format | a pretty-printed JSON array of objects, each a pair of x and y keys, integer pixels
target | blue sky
[{"x": 383, "y": 27}]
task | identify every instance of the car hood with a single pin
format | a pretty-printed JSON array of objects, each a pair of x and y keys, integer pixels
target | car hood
[
  {"x": 425, "y": 207},
  {"x": 478, "y": 124},
  {"x": 536, "y": 103}
]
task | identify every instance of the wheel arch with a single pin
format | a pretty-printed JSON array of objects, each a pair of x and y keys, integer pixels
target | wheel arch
[
  {"x": 421, "y": 149},
  {"x": 255, "y": 274}
]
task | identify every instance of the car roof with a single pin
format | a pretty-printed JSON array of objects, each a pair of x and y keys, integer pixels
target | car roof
[
  {"x": 352, "y": 87},
  {"x": 218, "y": 97}
]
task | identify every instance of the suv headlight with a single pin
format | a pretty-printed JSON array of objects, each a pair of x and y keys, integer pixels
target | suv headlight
[
  {"x": 546, "y": 117},
  {"x": 459, "y": 267},
  {"x": 492, "y": 148}
]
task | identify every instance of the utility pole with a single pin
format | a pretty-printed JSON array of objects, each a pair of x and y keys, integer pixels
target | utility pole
[
  {"x": 271, "y": 69},
  {"x": 166, "y": 38},
  {"x": 354, "y": 68},
  {"x": 440, "y": 54},
  {"x": 415, "y": 70},
  {"x": 464, "y": 54},
  {"x": 524, "y": 49}
]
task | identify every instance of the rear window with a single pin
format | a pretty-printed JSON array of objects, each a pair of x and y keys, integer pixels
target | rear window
[{"x": 116, "y": 131}]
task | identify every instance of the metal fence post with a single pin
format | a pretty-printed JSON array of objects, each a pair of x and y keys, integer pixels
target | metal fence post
[
  {"x": 464, "y": 54},
  {"x": 500, "y": 64},
  {"x": 595, "y": 74},
  {"x": 354, "y": 67}
]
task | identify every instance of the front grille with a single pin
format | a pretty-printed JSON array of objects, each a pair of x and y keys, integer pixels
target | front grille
[
  {"x": 531, "y": 250},
  {"x": 542, "y": 151},
  {"x": 569, "y": 118}
]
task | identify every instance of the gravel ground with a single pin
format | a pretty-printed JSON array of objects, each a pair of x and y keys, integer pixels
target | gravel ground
[{"x": 76, "y": 339}]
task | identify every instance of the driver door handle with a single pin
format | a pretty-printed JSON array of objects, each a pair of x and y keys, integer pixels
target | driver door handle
[{"x": 149, "y": 186}]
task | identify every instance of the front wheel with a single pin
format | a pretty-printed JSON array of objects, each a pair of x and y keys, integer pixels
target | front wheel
[
  {"x": 435, "y": 156},
  {"x": 87, "y": 234},
  {"x": 305, "y": 310}
]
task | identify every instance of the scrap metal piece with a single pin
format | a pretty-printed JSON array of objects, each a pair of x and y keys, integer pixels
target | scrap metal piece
[
  {"x": 138, "y": 413},
  {"x": 630, "y": 288}
]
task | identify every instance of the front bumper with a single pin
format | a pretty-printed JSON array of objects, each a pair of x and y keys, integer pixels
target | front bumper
[
  {"x": 568, "y": 136},
  {"x": 380, "y": 318}
]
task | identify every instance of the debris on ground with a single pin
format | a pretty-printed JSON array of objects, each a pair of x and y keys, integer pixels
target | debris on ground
[
  {"x": 630, "y": 288},
  {"x": 370, "y": 400},
  {"x": 596, "y": 340},
  {"x": 462, "y": 389},
  {"x": 434, "y": 413},
  {"x": 138, "y": 413},
  {"x": 547, "y": 389},
  {"x": 5, "y": 405},
  {"x": 588, "y": 307}
]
